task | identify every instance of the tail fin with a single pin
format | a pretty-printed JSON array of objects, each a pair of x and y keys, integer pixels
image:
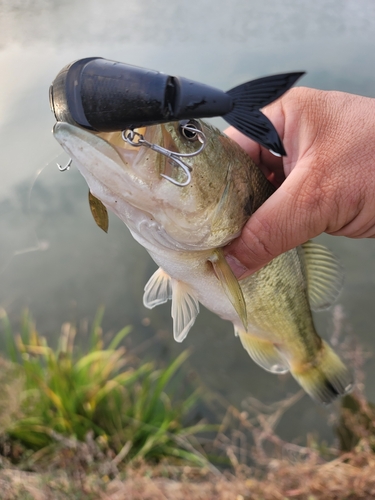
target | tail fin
[
  {"x": 327, "y": 380},
  {"x": 249, "y": 97}
]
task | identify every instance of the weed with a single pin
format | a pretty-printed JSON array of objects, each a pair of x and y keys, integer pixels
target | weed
[{"x": 124, "y": 405}]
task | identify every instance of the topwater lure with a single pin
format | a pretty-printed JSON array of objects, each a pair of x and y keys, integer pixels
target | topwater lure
[{"x": 103, "y": 95}]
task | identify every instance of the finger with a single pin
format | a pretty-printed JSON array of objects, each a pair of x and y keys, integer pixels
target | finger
[
  {"x": 251, "y": 147},
  {"x": 287, "y": 219},
  {"x": 361, "y": 226}
]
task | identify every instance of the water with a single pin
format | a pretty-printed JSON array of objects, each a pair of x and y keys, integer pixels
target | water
[{"x": 54, "y": 260}]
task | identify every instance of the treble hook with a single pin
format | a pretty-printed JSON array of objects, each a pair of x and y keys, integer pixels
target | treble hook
[
  {"x": 67, "y": 166},
  {"x": 129, "y": 135},
  {"x": 186, "y": 168}
]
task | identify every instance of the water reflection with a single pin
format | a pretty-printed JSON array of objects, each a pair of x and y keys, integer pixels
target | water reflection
[{"x": 78, "y": 267}]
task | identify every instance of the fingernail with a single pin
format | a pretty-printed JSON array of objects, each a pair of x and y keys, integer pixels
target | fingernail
[{"x": 238, "y": 269}]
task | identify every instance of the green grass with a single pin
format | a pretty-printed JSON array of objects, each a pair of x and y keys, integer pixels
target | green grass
[
  {"x": 70, "y": 418},
  {"x": 125, "y": 405}
]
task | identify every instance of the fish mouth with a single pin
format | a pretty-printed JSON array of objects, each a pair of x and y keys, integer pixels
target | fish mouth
[
  {"x": 119, "y": 175},
  {"x": 145, "y": 160},
  {"x": 76, "y": 140},
  {"x": 155, "y": 135},
  {"x": 127, "y": 151},
  {"x": 91, "y": 150}
]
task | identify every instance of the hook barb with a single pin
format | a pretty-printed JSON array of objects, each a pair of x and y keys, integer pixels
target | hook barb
[{"x": 67, "y": 166}]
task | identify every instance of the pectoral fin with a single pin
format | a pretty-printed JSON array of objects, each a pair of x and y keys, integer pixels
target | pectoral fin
[
  {"x": 99, "y": 212},
  {"x": 157, "y": 290},
  {"x": 263, "y": 352},
  {"x": 230, "y": 284},
  {"x": 324, "y": 275}
]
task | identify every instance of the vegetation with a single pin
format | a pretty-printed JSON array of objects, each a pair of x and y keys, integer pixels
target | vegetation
[
  {"x": 101, "y": 425},
  {"x": 123, "y": 406}
]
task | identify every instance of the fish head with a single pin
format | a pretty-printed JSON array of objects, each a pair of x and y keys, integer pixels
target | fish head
[{"x": 129, "y": 180}]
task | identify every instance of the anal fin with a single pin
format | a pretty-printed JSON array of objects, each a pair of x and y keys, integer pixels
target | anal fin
[{"x": 263, "y": 352}]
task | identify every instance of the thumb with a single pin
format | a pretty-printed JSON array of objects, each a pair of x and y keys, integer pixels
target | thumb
[{"x": 290, "y": 217}]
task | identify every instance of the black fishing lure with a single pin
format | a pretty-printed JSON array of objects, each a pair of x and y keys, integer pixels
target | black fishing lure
[{"x": 106, "y": 96}]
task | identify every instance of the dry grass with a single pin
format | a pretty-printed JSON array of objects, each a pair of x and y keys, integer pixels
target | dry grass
[
  {"x": 262, "y": 465},
  {"x": 280, "y": 470},
  {"x": 351, "y": 476}
]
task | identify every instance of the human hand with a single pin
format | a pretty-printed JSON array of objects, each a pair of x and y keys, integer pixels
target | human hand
[{"x": 325, "y": 184}]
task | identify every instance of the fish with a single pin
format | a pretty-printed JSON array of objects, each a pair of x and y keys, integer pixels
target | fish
[
  {"x": 104, "y": 95},
  {"x": 184, "y": 228}
]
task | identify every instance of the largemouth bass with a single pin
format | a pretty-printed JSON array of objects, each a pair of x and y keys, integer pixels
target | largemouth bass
[{"x": 184, "y": 227}]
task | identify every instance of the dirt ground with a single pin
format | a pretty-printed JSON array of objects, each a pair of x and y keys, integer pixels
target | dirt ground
[{"x": 352, "y": 476}]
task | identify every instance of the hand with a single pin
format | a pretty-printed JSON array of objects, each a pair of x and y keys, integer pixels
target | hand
[{"x": 325, "y": 184}]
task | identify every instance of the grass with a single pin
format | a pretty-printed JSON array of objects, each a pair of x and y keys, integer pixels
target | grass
[
  {"x": 287, "y": 472},
  {"x": 101, "y": 425},
  {"x": 125, "y": 407}
]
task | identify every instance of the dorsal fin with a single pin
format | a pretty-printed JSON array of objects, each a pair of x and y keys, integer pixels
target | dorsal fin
[
  {"x": 324, "y": 275},
  {"x": 158, "y": 289},
  {"x": 263, "y": 352},
  {"x": 185, "y": 308}
]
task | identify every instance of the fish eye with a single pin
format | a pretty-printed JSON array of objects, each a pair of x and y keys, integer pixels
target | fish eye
[{"x": 190, "y": 129}]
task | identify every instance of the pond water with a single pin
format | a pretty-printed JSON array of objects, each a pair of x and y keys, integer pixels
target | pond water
[{"x": 54, "y": 260}]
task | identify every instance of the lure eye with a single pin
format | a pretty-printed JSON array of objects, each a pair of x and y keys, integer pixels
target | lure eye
[{"x": 191, "y": 130}]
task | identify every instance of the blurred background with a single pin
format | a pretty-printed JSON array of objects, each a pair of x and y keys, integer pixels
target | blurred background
[{"x": 53, "y": 258}]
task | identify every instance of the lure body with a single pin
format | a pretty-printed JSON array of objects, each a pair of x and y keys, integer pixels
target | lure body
[{"x": 106, "y": 96}]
